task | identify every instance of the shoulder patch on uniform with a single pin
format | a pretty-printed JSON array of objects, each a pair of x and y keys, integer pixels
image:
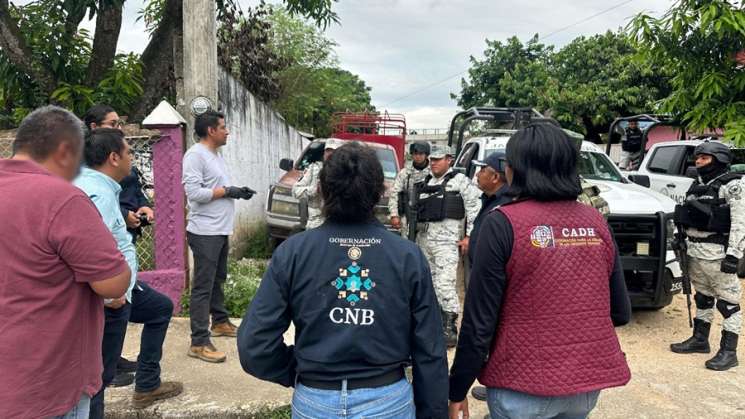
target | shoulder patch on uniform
[{"x": 735, "y": 190}]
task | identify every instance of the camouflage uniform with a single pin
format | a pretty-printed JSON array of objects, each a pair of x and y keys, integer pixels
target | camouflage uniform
[
  {"x": 405, "y": 180},
  {"x": 704, "y": 259},
  {"x": 307, "y": 187},
  {"x": 439, "y": 240},
  {"x": 591, "y": 196}
]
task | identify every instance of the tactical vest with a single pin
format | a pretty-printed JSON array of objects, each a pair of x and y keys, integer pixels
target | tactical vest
[
  {"x": 440, "y": 204},
  {"x": 704, "y": 210},
  {"x": 555, "y": 336},
  {"x": 404, "y": 200},
  {"x": 633, "y": 141}
]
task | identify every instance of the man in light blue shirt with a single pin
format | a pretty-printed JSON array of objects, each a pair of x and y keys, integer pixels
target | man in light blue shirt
[{"x": 109, "y": 160}]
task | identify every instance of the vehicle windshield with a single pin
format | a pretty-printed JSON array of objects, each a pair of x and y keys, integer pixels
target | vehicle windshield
[
  {"x": 591, "y": 165},
  {"x": 387, "y": 159},
  {"x": 597, "y": 166}
]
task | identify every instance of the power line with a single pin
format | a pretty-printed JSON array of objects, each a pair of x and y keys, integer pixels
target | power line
[{"x": 448, "y": 78}]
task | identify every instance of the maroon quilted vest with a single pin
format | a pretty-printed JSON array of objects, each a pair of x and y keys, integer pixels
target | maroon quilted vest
[{"x": 555, "y": 336}]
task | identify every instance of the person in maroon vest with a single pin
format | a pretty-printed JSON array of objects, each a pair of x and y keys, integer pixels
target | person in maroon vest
[{"x": 545, "y": 292}]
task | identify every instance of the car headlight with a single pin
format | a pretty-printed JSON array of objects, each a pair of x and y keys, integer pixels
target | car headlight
[
  {"x": 285, "y": 208},
  {"x": 669, "y": 233}
]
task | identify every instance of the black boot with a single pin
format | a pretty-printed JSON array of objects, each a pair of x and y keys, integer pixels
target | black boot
[
  {"x": 726, "y": 358},
  {"x": 451, "y": 330},
  {"x": 698, "y": 343}
]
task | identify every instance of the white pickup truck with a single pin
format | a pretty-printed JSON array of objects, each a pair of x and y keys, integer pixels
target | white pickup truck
[
  {"x": 669, "y": 167},
  {"x": 640, "y": 218}
]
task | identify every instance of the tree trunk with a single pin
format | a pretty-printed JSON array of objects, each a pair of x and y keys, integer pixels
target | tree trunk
[
  {"x": 20, "y": 55},
  {"x": 105, "y": 39},
  {"x": 159, "y": 61},
  {"x": 592, "y": 130}
]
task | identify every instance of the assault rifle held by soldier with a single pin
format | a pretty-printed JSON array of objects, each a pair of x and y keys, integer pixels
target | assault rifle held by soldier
[{"x": 680, "y": 248}]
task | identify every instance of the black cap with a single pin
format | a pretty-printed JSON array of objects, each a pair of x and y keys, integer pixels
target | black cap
[
  {"x": 716, "y": 149},
  {"x": 419, "y": 147},
  {"x": 495, "y": 160}
]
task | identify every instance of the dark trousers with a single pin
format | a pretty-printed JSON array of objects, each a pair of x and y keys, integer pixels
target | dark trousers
[
  {"x": 114, "y": 331},
  {"x": 207, "y": 297},
  {"x": 153, "y": 310}
]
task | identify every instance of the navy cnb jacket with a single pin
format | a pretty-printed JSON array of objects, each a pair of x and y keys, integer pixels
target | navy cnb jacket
[{"x": 362, "y": 303}]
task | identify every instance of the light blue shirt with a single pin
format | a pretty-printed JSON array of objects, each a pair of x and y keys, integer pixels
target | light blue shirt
[{"x": 104, "y": 192}]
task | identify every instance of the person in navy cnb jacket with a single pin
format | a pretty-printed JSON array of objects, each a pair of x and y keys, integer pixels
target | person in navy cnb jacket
[
  {"x": 545, "y": 292},
  {"x": 363, "y": 306}
]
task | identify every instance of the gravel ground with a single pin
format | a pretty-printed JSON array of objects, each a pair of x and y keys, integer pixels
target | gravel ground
[{"x": 663, "y": 384}]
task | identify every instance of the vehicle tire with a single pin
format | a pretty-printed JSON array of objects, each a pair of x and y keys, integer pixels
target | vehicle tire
[{"x": 741, "y": 269}]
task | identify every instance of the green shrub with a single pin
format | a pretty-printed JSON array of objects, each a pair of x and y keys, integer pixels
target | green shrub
[
  {"x": 258, "y": 244},
  {"x": 244, "y": 277}
]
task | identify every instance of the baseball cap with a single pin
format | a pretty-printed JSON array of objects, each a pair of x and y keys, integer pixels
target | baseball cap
[
  {"x": 440, "y": 151},
  {"x": 495, "y": 160},
  {"x": 333, "y": 144}
]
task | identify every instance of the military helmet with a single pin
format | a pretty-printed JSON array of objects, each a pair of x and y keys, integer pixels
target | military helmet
[
  {"x": 419, "y": 147},
  {"x": 715, "y": 149}
]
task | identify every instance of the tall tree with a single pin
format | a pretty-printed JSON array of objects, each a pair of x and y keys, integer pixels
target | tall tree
[
  {"x": 698, "y": 41},
  {"x": 45, "y": 58},
  {"x": 312, "y": 86},
  {"x": 585, "y": 85}
]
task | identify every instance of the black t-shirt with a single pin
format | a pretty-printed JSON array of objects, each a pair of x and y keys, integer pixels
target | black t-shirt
[{"x": 362, "y": 303}]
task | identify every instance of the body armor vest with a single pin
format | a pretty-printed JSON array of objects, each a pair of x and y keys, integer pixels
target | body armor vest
[
  {"x": 703, "y": 209},
  {"x": 440, "y": 204},
  {"x": 633, "y": 141}
]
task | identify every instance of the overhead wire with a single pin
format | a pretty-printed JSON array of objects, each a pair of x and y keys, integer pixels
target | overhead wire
[{"x": 460, "y": 73}]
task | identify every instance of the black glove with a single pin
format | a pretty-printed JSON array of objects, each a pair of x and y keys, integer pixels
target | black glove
[
  {"x": 236, "y": 192},
  {"x": 729, "y": 264}
]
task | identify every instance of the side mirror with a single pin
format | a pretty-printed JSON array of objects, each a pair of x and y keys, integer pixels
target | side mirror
[
  {"x": 286, "y": 164},
  {"x": 642, "y": 180},
  {"x": 691, "y": 172}
]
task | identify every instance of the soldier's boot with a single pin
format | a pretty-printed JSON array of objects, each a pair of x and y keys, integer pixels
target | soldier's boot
[
  {"x": 698, "y": 343},
  {"x": 451, "y": 330},
  {"x": 726, "y": 358}
]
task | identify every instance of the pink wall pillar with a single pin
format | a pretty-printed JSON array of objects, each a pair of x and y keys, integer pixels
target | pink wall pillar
[{"x": 169, "y": 276}]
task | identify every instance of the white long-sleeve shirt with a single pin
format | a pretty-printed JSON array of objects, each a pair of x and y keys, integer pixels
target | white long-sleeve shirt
[{"x": 203, "y": 171}]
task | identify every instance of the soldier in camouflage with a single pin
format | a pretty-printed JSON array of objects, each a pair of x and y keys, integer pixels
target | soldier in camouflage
[
  {"x": 403, "y": 188},
  {"x": 591, "y": 196},
  {"x": 713, "y": 215},
  {"x": 446, "y": 200},
  {"x": 307, "y": 186}
]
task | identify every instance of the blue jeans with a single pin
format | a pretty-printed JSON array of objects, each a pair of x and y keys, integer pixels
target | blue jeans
[
  {"x": 391, "y": 401},
  {"x": 508, "y": 404},
  {"x": 80, "y": 411},
  {"x": 114, "y": 331},
  {"x": 153, "y": 310}
]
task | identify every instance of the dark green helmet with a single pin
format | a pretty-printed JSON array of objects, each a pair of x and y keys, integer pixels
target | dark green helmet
[
  {"x": 419, "y": 147},
  {"x": 718, "y": 150}
]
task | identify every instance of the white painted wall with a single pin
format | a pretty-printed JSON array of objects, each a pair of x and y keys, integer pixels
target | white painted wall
[{"x": 259, "y": 138}]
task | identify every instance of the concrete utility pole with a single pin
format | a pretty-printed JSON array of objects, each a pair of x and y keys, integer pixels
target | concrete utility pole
[{"x": 200, "y": 58}]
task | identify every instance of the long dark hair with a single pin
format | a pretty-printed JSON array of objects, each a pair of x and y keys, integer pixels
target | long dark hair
[
  {"x": 97, "y": 114},
  {"x": 544, "y": 164},
  {"x": 351, "y": 183}
]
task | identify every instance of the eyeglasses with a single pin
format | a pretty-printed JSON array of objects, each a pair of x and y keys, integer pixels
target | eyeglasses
[{"x": 117, "y": 123}]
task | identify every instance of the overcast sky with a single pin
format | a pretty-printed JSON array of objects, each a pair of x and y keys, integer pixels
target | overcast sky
[{"x": 399, "y": 47}]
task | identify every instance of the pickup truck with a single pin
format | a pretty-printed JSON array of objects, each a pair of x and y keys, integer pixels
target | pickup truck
[
  {"x": 285, "y": 215},
  {"x": 669, "y": 167},
  {"x": 641, "y": 219}
]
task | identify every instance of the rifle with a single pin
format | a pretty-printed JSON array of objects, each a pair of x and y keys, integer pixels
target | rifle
[
  {"x": 412, "y": 211},
  {"x": 681, "y": 249}
]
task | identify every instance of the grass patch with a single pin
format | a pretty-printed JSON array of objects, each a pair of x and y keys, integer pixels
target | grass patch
[
  {"x": 258, "y": 245},
  {"x": 244, "y": 277},
  {"x": 284, "y": 412}
]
